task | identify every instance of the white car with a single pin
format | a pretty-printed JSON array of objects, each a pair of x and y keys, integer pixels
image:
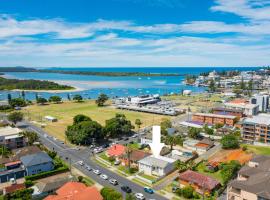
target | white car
[
  {"x": 134, "y": 136},
  {"x": 113, "y": 181},
  {"x": 80, "y": 163},
  {"x": 104, "y": 176},
  {"x": 88, "y": 167},
  {"x": 97, "y": 172},
  {"x": 139, "y": 196}
]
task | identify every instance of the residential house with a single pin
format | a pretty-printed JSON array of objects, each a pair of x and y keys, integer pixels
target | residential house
[
  {"x": 13, "y": 188},
  {"x": 256, "y": 129},
  {"x": 116, "y": 151},
  {"x": 252, "y": 182},
  {"x": 199, "y": 146},
  {"x": 134, "y": 157},
  {"x": 37, "y": 163},
  {"x": 157, "y": 166},
  {"x": 49, "y": 185},
  {"x": 201, "y": 183},
  {"x": 11, "y": 138},
  {"x": 76, "y": 191}
]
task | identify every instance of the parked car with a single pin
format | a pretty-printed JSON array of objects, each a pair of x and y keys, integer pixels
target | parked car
[
  {"x": 78, "y": 148},
  {"x": 126, "y": 189},
  {"x": 134, "y": 136},
  {"x": 174, "y": 189},
  {"x": 105, "y": 145},
  {"x": 80, "y": 163},
  {"x": 113, "y": 182},
  {"x": 104, "y": 176},
  {"x": 148, "y": 190},
  {"x": 117, "y": 162},
  {"x": 125, "y": 139},
  {"x": 139, "y": 196},
  {"x": 88, "y": 167},
  {"x": 97, "y": 172}
]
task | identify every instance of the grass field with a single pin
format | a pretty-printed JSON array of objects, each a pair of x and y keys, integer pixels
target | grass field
[
  {"x": 260, "y": 150},
  {"x": 65, "y": 112}
]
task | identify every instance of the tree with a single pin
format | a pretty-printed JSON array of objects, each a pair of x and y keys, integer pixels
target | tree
[
  {"x": 130, "y": 197},
  {"x": 102, "y": 98},
  {"x": 84, "y": 132},
  {"x": 23, "y": 94},
  {"x": 4, "y": 151},
  {"x": 183, "y": 166},
  {"x": 212, "y": 86},
  {"x": 229, "y": 170},
  {"x": 36, "y": 96},
  {"x": 31, "y": 137},
  {"x": 173, "y": 140},
  {"x": 110, "y": 194},
  {"x": 17, "y": 102},
  {"x": 80, "y": 118},
  {"x": 164, "y": 125},
  {"x": 55, "y": 99},
  {"x": 24, "y": 194},
  {"x": 41, "y": 100},
  {"x": 229, "y": 142},
  {"x": 9, "y": 98},
  {"x": 242, "y": 84},
  {"x": 208, "y": 130},
  {"x": 80, "y": 178},
  {"x": 77, "y": 98},
  {"x": 138, "y": 123},
  {"x": 68, "y": 97},
  {"x": 15, "y": 117},
  {"x": 194, "y": 132},
  {"x": 187, "y": 192},
  {"x": 118, "y": 126},
  {"x": 52, "y": 154}
]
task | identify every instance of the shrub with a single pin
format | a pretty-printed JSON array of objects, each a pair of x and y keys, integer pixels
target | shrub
[
  {"x": 28, "y": 183},
  {"x": 187, "y": 192},
  {"x": 110, "y": 194}
]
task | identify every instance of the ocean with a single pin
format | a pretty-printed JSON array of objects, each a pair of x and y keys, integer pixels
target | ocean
[{"x": 91, "y": 86}]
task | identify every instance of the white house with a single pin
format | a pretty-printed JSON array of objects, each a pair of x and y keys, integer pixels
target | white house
[
  {"x": 157, "y": 166},
  {"x": 11, "y": 138}
]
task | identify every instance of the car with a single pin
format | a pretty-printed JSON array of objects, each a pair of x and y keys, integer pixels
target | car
[
  {"x": 117, "y": 162},
  {"x": 139, "y": 196},
  {"x": 98, "y": 150},
  {"x": 91, "y": 146},
  {"x": 61, "y": 142},
  {"x": 54, "y": 138},
  {"x": 134, "y": 136},
  {"x": 88, "y": 167},
  {"x": 126, "y": 189},
  {"x": 104, "y": 176},
  {"x": 105, "y": 145},
  {"x": 80, "y": 163},
  {"x": 97, "y": 172},
  {"x": 113, "y": 182},
  {"x": 77, "y": 148},
  {"x": 148, "y": 190},
  {"x": 174, "y": 189},
  {"x": 125, "y": 138}
]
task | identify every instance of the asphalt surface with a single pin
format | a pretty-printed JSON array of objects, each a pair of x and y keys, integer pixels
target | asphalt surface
[{"x": 73, "y": 155}]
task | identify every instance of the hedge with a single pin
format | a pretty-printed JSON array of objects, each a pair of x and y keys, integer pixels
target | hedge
[{"x": 46, "y": 174}]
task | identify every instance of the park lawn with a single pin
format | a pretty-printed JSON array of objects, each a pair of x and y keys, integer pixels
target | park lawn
[
  {"x": 216, "y": 175},
  {"x": 65, "y": 112},
  {"x": 260, "y": 150}
]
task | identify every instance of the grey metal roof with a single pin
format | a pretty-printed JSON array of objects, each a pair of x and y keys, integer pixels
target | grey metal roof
[
  {"x": 161, "y": 161},
  {"x": 35, "y": 159}
]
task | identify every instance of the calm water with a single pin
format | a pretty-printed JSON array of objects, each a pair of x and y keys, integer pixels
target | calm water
[{"x": 92, "y": 86}]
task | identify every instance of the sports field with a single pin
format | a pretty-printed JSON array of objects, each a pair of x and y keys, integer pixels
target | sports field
[{"x": 65, "y": 112}]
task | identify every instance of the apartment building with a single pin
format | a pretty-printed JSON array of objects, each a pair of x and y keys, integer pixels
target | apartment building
[
  {"x": 256, "y": 129},
  {"x": 262, "y": 100},
  {"x": 228, "y": 111},
  {"x": 11, "y": 138},
  {"x": 210, "y": 118},
  {"x": 252, "y": 182},
  {"x": 247, "y": 108}
]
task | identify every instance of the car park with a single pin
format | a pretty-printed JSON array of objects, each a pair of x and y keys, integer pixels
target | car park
[
  {"x": 126, "y": 189},
  {"x": 148, "y": 190},
  {"x": 97, "y": 172},
  {"x": 139, "y": 196},
  {"x": 104, "y": 176},
  {"x": 113, "y": 182}
]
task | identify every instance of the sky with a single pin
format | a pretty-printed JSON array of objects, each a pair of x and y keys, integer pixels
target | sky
[{"x": 134, "y": 33}]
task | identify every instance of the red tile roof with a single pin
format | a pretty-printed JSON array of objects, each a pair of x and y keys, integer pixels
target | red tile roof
[
  {"x": 116, "y": 150},
  {"x": 76, "y": 191},
  {"x": 14, "y": 188},
  {"x": 12, "y": 163},
  {"x": 199, "y": 179}
]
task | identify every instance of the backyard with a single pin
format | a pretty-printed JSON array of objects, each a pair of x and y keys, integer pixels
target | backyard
[
  {"x": 259, "y": 150},
  {"x": 65, "y": 112}
]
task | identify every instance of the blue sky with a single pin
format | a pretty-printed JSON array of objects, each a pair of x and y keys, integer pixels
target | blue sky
[{"x": 142, "y": 33}]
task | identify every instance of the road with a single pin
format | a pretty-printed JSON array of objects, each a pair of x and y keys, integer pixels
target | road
[{"x": 74, "y": 156}]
